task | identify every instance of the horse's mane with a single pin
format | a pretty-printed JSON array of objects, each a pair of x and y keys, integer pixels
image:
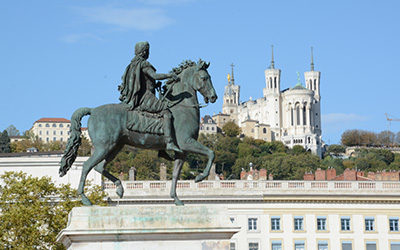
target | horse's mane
[{"x": 182, "y": 66}]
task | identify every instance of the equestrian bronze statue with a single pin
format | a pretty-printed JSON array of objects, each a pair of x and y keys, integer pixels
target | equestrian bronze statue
[{"x": 144, "y": 121}]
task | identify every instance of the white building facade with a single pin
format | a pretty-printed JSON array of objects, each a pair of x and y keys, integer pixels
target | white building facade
[
  {"x": 293, "y": 114},
  {"x": 51, "y": 129}
]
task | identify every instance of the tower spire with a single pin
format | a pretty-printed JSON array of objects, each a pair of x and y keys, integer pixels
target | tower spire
[
  {"x": 272, "y": 66},
  {"x": 312, "y": 59},
  {"x": 233, "y": 78}
]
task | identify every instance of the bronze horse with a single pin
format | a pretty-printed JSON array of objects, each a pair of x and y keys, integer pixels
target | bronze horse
[{"x": 108, "y": 130}]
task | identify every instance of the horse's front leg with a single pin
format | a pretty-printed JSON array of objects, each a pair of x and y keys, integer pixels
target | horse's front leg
[
  {"x": 194, "y": 146},
  {"x": 175, "y": 176}
]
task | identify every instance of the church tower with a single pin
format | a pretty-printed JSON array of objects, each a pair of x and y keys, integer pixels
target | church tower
[
  {"x": 231, "y": 98},
  {"x": 272, "y": 77},
  {"x": 272, "y": 94},
  {"x": 312, "y": 79}
]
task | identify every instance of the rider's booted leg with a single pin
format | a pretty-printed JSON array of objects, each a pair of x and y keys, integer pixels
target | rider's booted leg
[{"x": 168, "y": 132}]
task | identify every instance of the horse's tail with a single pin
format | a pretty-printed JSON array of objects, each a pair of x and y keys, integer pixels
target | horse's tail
[{"x": 74, "y": 141}]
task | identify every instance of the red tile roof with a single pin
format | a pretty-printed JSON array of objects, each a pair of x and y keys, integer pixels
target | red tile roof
[
  {"x": 83, "y": 129},
  {"x": 53, "y": 120}
]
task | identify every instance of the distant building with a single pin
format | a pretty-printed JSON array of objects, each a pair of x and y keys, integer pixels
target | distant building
[
  {"x": 208, "y": 125},
  {"x": 292, "y": 116},
  {"x": 85, "y": 133},
  {"x": 17, "y": 138},
  {"x": 51, "y": 129}
]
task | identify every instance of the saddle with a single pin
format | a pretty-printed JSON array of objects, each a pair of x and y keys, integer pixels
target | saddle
[{"x": 145, "y": 122}]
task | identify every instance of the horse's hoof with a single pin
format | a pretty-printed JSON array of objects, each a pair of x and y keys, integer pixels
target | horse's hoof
[
  {"x": 120, "y": 191},
  {"x": 178, "y": 202},
  {"x": 86, "y": 201},
  {"x": 199, "y": 178}
]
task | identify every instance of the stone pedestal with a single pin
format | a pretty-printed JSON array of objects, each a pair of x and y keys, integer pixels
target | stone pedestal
[{"x": 148, "y": 227}]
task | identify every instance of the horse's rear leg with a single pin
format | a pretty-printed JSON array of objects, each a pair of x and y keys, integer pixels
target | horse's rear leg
[
  {"x": 99, "y": 155},
  {"x": 175, "y": 176},
  {"x": 101, "y": 169},
  {"x": 196, "y": 147}
]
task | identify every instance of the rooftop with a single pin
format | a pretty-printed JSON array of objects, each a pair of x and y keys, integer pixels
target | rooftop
[{"x": 53, "y": 120}]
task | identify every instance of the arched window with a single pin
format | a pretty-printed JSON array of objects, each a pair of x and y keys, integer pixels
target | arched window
[
  {"x": 310, "y": 84},
  {"x": 304, "y": 116},
  {"x": 315, "y": 84},
  {"x": 275, "y": 81},
  {"x": 298, "y": 114},
  {"x": 54, "y": 125},
  {"x": 264, "y": 130},
  {"x": 291, "y": 116},
  {"x": 47, "y": 125}
]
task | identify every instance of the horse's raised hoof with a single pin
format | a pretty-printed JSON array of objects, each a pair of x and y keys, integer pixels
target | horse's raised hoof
[
  {"x": 199, "y": 178},
  {"x": 85, "y": 200},
  {"x": 178, "y": 202},
  {"x": 120, "y": 191}
]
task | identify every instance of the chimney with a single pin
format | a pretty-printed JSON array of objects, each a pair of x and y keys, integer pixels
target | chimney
[
  {"x": 330, "y": 173},
  {"x": 319, "y": 175}
]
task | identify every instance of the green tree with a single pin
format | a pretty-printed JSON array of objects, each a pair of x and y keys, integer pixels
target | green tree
[
  {"x": 231, "y": 129},
  {"x": 351, "y": 138},
  {"x": 386, "y": 138},
  {"x": 12, "y": 131},
  {"x": 5, "y": 142},
  {"x": 85, "y": 148},
  {"x": 147, "y": 165},
  {"x": 298, "y": 149},
  {"x": 336, "y": 149},
  {"x": 34, "y": 210}
]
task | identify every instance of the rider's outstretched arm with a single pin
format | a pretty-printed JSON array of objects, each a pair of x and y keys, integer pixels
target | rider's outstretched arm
[{"x": 152, "y": 73}]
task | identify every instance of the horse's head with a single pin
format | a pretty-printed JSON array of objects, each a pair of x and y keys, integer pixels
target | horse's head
[{"x": 202, "y": 82}]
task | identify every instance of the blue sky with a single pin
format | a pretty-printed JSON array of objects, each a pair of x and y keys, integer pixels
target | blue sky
[{"x": 57, "y": 56}]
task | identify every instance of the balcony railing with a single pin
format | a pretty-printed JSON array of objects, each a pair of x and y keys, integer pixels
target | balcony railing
[{"x": 235, "y": 186}]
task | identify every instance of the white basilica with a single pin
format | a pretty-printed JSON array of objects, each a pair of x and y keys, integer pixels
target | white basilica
[{"x": 291, "y": 115}]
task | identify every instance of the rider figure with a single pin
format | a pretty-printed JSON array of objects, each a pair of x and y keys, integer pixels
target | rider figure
[{"x": 138, "y": 90}]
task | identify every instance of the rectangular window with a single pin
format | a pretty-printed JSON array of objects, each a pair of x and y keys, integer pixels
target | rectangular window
[
  {"x": 321, "y": 223},
  {"x": 253, "y": 246},
  {"x": 299, "y": 245},
  {"x": 54, "y": 139},
  {"x": 232, "y": 246},
  {"x": 275, "y": 223},
  {"x": 370, "y": 245},
  {"x": 394, "y": 224},
  {"x": 61, "y": 133},
  {"x": 395, "y": 246},
  {"x": 347, "y": 245},
  {"x": 252, "y": 224},
  {"x": 276, "y": 245},
  {"x": 345, "y": 223},
  {"x": 40, "y": 132},
  {"x": 47, "y": 132},
  {"x": 232, "y": 219},
  {"x": 322, "y": 245},
  {"x": 54, "y": 133},
  {"x": 298, "y": 223},
  {"x": 47, "y": 139},
  {"x": 369, "y": 224}
]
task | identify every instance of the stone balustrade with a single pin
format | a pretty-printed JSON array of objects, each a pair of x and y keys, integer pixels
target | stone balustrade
[{"x": 242, "y": 188}]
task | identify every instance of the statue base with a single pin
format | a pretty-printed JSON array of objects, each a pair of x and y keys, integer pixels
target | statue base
[{"x": 148, "y": 227}]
